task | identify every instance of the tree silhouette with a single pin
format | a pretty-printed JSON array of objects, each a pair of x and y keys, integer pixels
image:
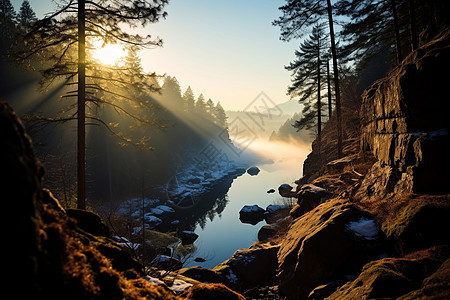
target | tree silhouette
[
  {"x": 220, "y": 116},
  {"x": 308, "y": 78},
  {"x": 200, "y": 106},
  {"x": 26, "y": 17},
  {"x": 60, "y": 41},
  {"x": 189, "y": 100},
  {"x": 375, "y": 26},
  {"x": 297, "y": 18},
  {"x": 7, "y": 24}
]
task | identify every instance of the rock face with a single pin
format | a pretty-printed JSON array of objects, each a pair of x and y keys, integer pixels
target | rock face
[
  {"x": 333, "y": 240},
  {"x": 405, "y": 127}
]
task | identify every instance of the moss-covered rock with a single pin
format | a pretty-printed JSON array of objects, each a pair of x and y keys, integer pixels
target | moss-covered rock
[
  {"x": 389, "y": 278},
  {"x": 325, "y": 244}
]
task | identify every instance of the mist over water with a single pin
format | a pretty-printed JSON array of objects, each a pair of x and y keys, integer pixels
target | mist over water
[{"x": 224, "y": 233}]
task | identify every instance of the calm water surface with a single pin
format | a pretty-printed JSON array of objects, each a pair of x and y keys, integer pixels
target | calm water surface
[{"x": 220, "y": 237}]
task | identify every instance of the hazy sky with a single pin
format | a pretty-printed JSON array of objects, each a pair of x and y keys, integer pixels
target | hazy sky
[{"x": 226, "y": 49}]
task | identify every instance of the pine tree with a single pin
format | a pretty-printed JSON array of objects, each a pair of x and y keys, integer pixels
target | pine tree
[
  {"x": 200, "y": 106},
  {"x": 375, "y": 26},
  {"x": 209, "y": 107},
  {"x": 171, "y": 94},
  {"x": 297, "y": 18},
  {"x": 220, "y": 116},
  {"x": 308, "y": 77},
  {"x": 61, "y": 40},
  {"x": 7, "y": 24},
  {"x": 26, "y": 17},
  {"x": 189, "y": 100}
]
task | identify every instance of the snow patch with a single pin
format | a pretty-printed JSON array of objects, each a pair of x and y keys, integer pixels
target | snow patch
[
  {"x": 153, "y": 280},
  {"x": 165, "y": 208},
  {"x": 251, "y": 209},
  {"x": 364, "y": 228},
  {"x": 231, "y": 277},
  {"x": 179, "y": 286}
]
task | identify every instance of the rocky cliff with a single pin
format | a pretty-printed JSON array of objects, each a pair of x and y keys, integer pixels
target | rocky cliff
[
  {"x": 382, "y": 228},
  {"x": 405, "y": 124}
]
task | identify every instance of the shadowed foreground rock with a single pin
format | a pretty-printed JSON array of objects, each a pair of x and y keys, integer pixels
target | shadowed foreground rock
[
  {"x": 48, "y": 256},
  {"x": 325, "y": 244}
]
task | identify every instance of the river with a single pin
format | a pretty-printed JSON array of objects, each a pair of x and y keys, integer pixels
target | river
[{"x": 221, "y": 233}]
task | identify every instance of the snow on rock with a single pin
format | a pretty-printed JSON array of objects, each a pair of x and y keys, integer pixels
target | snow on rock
[
  {"x": 165, "y": 208},
  {"x": 253, "y": 171},
  {"x": 179, "y": 286},
  {"x": 175, "y": 222},
  {"x": 272, "y": 208},
  {"x": 131, "y": 206},
  {"x": 231, "y": 277},
  {"x": 153, "y": 280},
  {"x": 125, "y": 242},
  {"x": 251, "y": 209},
  {"x": 364, "y": 228},
  {"x": 151, "y": 219},
  {"x": 156, "y": 211}
]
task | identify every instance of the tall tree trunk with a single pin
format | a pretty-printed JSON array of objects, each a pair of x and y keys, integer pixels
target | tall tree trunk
[
  {"x": 336, "y": 80},
  {"x": 319, "y": 104},
  {"x": 412, "y": 25},
  {"x": 397, "y": 31},
  {"x": 330, "y": 107},
  {"x": 81, "y": 116}
]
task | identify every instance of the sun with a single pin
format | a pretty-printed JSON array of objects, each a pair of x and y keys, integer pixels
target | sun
[{"x": 108, "y": 54}]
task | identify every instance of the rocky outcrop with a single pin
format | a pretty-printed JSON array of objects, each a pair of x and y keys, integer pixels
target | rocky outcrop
[
  {"x": 389, "y": 278},
  {"x": 405, "y": 126},
  {"x": 325, "y": 244}
]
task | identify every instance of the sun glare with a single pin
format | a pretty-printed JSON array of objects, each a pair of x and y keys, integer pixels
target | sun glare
[{"x": 108, "y": 54}]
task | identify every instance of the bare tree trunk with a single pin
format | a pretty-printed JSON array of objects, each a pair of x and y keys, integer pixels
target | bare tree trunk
[
  {"x": 319, "y": 104},
  {"x": 330, "y": 107},
  {"x": 336, "y": 80},
  {"x": 397, "y": 31},
  {"x": 81, "y": 140},
  {"x": 412, "y": 26}
]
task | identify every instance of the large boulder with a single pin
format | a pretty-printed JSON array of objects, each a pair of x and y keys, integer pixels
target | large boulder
[
  {"x": 285, "y": 190},
  {"x": 391, "y": 277},
  {"x": 435, "y": 286},
  {"x": 89, "y": 222},
  {"x": 251, "y": 214},
  {"x": 202, "y": 274},
  {"x": 413, "y": 223},
  {"x": 331, "y": 241},
  {"x": 309, "y": 197},
  {"x": 247, "y": 267},
  {"x": 405, "y": 127},
  {"x": 188, "y": 237},
  {"x": 253, "y": 171}
]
